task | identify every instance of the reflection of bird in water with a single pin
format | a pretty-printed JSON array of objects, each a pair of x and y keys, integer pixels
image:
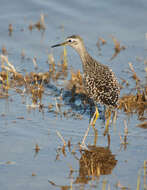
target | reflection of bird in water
[
  {"x": 100, "y": 82},
  {"x": 94, "y": 162}
]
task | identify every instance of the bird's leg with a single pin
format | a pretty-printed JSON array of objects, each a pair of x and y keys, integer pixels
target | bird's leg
[
  {"x": 108, "y": 117},
  {"x": 92, "y": 123},
  {"x": 84, "y": 138},
  {"x": 95, "y": 117}
]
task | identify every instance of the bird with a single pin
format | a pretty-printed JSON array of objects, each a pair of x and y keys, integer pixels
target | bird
[{"x": 99, "y": 80}]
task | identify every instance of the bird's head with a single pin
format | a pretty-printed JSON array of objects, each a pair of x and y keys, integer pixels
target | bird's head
[{"x": 74, "y": 41}]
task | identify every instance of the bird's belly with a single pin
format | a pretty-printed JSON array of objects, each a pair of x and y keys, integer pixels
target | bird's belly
[{"x": 107, "y": 95}]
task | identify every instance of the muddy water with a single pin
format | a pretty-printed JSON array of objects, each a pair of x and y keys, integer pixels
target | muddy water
[{"x": 22, "y": 128}]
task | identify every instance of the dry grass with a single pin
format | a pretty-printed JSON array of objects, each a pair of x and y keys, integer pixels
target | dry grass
[
  {"x": 117, "y": 47},
  {"x": 95, "y": 161},
  {"x": 101, "y": 41},
  {"x": 40, "y": 24},
  {"x": 10, "y": 29},
  {"x": 33, "y": 82},
  {"x": 135, "y": 103}
]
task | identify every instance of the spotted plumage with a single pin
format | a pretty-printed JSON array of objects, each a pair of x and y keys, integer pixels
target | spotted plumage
[
  {"x": 100, "y": 83},
  {"x": 99, "y": 80}
]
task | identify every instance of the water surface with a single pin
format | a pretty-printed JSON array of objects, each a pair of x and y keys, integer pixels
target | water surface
[{"x": 21, "y": 129}]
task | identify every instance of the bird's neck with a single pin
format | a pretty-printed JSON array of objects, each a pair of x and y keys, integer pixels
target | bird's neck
[{"x": 85, "y": 58}]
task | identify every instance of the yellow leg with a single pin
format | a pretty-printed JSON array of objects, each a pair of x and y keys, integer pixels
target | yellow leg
[
  {"x": 84, "y": 138},
  {"x": 95, "y": 117},
  {"x": 107, "y": 122},
  {"x": 92, "y": 123}
]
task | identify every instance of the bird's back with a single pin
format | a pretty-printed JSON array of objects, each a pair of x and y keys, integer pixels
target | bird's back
[{"x": 100, "y": 83}]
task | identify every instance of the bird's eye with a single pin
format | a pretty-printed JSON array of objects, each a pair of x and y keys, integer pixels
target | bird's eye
[{"x": 69, "y": 40}]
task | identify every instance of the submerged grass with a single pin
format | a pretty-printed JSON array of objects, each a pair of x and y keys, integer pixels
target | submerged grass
[
  {"x": 94, "y": 161},
  {"x": 40, "y": 24},
  {"x": 33, "y": 83}
]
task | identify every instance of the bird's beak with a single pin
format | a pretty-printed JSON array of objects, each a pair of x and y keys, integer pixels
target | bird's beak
[{"x": 62, "y": 44}]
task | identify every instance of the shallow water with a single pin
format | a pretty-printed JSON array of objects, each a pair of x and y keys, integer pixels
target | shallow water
[{"x": 21, "y": 129}]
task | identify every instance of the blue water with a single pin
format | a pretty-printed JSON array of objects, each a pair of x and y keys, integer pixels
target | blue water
[{"x": 126, "y": 20}]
